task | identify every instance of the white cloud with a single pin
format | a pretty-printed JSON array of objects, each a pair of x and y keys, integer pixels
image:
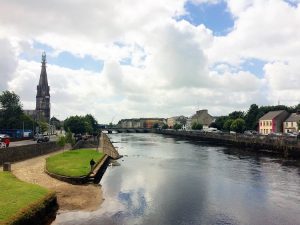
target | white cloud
[{"x": 170, "y": 64}]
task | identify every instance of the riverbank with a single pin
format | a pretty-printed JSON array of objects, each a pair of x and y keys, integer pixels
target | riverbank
[
  {"x": 286, "y": 147},
  {"x": 70, "y": 197}
]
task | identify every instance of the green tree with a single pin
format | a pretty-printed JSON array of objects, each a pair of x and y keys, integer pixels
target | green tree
[
  {"x": 61, "y": 141},
  {"x": 238, "y": 125},
  {"x": 165, "y": 126},
  {"x": 43, "y": 127},
  {"x": 219, "y": 122},
  {"x": 227, "y": 124},
  {"x": 197, "y": 126},
  {"x": 11, "y": 110},
  {"x": 69, "y": 137},
  {"x": 76, "y": 124},
  {"x": 54, "y": 121},
  {"x": 251, "y": 119},
  {"x": 177, "y": 126},
  {"x": 155, "y": 126},
  {"x": 236, "y": 114},
  {"x": 92, "y": 123}
]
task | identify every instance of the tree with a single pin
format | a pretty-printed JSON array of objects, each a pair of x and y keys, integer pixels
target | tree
[
  {"x": 76, "y": 124},
  {"x": 54, "y": 121},
  {"x": 251, "y": 119},
  {"x": 61, "y": 141},
  {"x": 155, "y": 126},
  {"x": 238, "y": 125},
  {"x": 236, "y": 114},
  {"x": 11, "y": 110},
  {"x": 165, "y": 126},
  {"x": 69, "y": 137},
  {"x": 43, "y": 126},
  {"x": 93, "y": 124},
  {"x": 219, "y": 122},
  {"x": 177, "y": 126},
  {"x": 227, "y": 124},
  {"x": 197, "y": 126}
]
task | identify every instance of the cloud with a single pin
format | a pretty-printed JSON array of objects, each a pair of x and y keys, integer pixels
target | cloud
[
  {"x": 153, "y": 64},
  {"x": 8, "y": 63}
]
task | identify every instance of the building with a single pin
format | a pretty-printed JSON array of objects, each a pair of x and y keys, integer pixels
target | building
[
  {"x": 290, "y": 125},
  {"x": 176, "y": 119},
  {"x": 42, "y": 110},
  {"x": 43, "y": 94},
  {"x": 140, "y": 123},
  {"x": 203, "y": 118},
  {"x": 272, "y": 122}
]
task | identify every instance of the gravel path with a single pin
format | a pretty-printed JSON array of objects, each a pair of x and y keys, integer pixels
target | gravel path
[{"x": 70, "y": 197}]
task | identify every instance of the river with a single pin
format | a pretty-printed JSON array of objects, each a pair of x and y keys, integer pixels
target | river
[{"x": 164, "y": 180}]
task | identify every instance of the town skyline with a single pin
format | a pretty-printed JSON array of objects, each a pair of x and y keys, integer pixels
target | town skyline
[{"x": 165, "y": 59}]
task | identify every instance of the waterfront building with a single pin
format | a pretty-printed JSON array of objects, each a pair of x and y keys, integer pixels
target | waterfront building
[
  {"x": 272, "y": 122},
  {"x": 291, "y": 123},
  {"x": 176, "y": 119},
  {"x": 203, "y": 117},
  {"x": 140, "y": 123}
]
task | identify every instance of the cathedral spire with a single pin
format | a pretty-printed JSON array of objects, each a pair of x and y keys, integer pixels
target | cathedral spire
[{"x": 43, "y": 94}]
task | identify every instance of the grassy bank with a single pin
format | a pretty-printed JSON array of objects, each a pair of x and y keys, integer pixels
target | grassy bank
[
  {"x": 74, "y": 163},
  {"x": 18, "y": 199}
]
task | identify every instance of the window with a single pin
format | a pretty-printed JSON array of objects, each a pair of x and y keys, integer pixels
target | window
[
  {"x": 270, "y": 123},
  {"x": 286, "y": 124},
  {"x": 264, "y": 123}
]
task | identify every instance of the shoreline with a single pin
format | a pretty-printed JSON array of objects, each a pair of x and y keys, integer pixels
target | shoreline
[{"x": 70, "y": 197}]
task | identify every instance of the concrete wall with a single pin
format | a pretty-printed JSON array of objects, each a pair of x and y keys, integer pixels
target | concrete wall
[
  {"x": 18, "y": 153},
  {"x": 287, "y": 147}
]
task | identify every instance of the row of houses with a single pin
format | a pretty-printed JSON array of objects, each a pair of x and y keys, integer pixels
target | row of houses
[
  {"x": 278, "y": 122},
  {"x": 201, "y": 116}
]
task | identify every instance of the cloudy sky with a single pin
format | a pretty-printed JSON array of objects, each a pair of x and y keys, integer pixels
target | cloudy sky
[{"x": 152, "y": 58}]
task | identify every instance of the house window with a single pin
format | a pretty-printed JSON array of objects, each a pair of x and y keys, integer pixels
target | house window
[
  {"x": 270, "y": 123},
  {"x": 287, "y": 124},
  {"x": 264, "y": 123},
  {"x": 270, "y": 130}
]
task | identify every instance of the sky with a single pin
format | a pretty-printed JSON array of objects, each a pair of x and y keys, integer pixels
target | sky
[{"x": 131, "y": 58}]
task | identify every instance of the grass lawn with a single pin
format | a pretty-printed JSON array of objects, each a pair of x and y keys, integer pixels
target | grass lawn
[
  {"x": 16, "y": 196},
  {"x": 73, "y": 163}
]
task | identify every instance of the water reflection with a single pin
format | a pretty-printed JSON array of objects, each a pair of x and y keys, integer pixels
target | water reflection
[{"x": 163, "y": 180}]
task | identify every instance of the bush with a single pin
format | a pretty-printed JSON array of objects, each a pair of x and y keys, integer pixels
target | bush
[{"x": 197, "y": 126}]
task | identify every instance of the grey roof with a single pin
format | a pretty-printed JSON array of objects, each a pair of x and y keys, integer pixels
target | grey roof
[
  {"x": 271, "y": 115},
  {"x": 294, "y": 117}
]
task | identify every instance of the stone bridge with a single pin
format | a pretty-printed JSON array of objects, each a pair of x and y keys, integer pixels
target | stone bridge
[{"x": 127, "y": 130}]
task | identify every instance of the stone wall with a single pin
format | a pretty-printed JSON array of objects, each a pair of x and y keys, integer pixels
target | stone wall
[
  {"x": 287, "y": 147},
  {"x": 18, "y": 153},
  {"x": 108, "y": 147}
]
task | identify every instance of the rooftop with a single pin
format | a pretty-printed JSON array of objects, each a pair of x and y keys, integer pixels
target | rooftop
[{"x": 271, "y": 115}]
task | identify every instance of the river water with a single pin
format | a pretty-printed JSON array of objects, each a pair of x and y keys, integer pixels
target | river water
[{"x": 163, "y": 180}]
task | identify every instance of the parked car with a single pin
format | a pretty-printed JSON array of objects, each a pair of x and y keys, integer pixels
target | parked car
[
  {"x": 41, "y": 138},
  {"x": 250, "y": 132}
]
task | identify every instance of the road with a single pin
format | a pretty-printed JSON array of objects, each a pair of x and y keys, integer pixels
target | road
[{"x": 29, "y": 142}]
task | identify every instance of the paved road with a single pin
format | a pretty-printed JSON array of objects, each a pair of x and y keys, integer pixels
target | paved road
[{"x": 28, "y": 142}]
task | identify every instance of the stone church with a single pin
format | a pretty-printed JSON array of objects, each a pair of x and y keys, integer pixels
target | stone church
[{"x": 42, "y": 110}]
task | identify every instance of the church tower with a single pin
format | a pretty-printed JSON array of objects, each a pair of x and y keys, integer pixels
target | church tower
[{"x": 43, "y": 95}]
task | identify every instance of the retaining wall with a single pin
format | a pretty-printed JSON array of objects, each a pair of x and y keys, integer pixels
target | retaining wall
[
  {"x": 287, "y": 147},
  {"x": 18, "y": 153}
]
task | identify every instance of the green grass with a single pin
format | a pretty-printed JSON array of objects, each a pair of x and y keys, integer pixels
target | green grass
[
  {"x": 16, "y": 196},
  {"x": 73, "y": 163}
]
